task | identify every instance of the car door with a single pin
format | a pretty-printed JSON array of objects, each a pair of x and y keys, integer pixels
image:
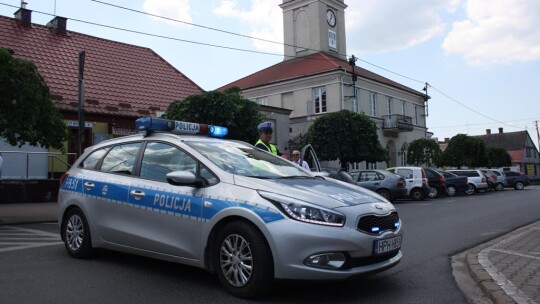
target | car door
[
  {"x": 106, "y": 191},
  {"x": 166, "y": 218},
  {"x": 308, "y": 154}
]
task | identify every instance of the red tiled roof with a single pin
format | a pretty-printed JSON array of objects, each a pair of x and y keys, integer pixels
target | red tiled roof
[
  {"x": 313, "y": 64},
  {"x": 120, "y": 79},
  {"x": 517, "y": 156}
]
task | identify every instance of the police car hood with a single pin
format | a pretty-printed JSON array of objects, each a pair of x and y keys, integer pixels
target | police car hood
[{"x": 325, "y": 193}]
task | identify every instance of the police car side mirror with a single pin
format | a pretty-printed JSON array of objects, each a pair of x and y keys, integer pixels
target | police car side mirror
[{"x": 184, "y": 178}]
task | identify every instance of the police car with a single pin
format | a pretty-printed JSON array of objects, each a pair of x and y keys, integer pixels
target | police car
[{"x": 237, "y": 211}]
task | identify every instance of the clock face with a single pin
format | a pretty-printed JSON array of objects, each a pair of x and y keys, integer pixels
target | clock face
[{"x": 331, "y": 18}]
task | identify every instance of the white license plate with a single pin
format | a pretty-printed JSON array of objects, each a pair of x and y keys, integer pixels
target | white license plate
[{"x": 387, "y": 245}]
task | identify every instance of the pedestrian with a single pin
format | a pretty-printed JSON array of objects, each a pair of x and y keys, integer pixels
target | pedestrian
[
  {"x": 265, "y": 135},
  {"x": 300, "y": 162}
]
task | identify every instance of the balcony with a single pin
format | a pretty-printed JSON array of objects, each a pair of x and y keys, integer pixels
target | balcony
[{"x": 397, "y": 123}]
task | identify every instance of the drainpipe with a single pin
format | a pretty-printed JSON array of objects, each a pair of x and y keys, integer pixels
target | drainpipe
[{"x": 341, "y": 92}]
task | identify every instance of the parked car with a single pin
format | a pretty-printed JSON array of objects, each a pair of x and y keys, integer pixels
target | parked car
[
  {"x": 516, "y": 180},
  {"x": 242, "y": 213},
  {"x": 501, "y": 179},
  {"x": 389, "y": 185},
  {"x": 340, "y": 174},
  {"x": 492, "y": 180},
  {"x": 436, "y": 182},
  {"x": 456, "y": 184},
  {"x": 476, "y": 178},
  {"x": 415, "y": 181}
]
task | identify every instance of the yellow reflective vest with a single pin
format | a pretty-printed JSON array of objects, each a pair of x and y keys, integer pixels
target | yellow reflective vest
[{"x": 270, "y": 148}]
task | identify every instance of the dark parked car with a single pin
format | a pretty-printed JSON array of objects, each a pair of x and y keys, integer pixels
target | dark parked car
[
  {"x": 516, "y": 180},
  {"x": 391, "y": 186},
  {"x": 436, "y": 182},
  {"x": 456, "y": 184}
]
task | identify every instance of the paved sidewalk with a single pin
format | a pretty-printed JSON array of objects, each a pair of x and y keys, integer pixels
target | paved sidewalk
[
  {"x": 28, "y": 213},
  {"x": 507, "y": 269}
]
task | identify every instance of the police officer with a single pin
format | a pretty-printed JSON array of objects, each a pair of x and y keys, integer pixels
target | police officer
[{"x": 265, "y": 135}]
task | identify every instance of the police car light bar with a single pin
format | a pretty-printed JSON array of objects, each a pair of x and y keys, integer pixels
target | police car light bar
[{"x": 149, "y": 124}]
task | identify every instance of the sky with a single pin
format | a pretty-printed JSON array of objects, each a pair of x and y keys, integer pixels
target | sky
[{"x": 481, "y": 58}]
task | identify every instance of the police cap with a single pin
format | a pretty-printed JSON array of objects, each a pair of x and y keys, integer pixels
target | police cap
[{"x": 266, "y": 126}]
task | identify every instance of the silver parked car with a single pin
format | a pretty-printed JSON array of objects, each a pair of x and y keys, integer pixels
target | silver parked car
[
  {"x": 242, "y": 213},
  {"x": 475, "y": 177},
  {"x": 389, "y": 185}
]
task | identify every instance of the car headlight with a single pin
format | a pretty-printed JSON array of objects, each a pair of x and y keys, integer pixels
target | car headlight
[{"x": 305, "y": 212}]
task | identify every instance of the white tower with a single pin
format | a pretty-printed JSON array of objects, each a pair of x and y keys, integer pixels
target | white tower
[{"x": 311, "y": 26}]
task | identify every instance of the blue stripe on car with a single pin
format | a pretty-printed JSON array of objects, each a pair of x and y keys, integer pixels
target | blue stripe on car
[{"x": 164, "y": 201}]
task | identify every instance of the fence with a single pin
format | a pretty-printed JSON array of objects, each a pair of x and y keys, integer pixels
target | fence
[{"x": 23, "y": 165}]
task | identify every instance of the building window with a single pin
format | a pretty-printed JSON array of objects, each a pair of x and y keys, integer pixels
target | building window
[
  {"x": 262, "y": 101},
  {"x": 403, "y": 151},
  {"x": 528, "y": 151},
  {"x": 403, "y": 108},
  {"x": 389, "y": 106},
  {"x": 319, "y": 99},
  {"x": 373, "y": 104}
]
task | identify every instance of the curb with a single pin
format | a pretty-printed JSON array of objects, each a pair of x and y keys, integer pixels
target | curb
[{"x": 483, "y": 279}]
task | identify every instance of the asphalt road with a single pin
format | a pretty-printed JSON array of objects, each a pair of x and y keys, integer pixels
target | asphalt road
[{"x": 435, "y": 230}]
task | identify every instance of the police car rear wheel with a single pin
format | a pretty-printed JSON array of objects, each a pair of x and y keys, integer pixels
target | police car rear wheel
[
  {"x": 243, "y": 261},
  {"x": 76, "y": 235}
]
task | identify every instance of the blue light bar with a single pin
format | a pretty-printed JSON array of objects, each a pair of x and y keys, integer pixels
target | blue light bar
[
  {"x": 218, "y": 131},
  {"x": 375, "y": 229},
  {"x": 149, "y": 124}
]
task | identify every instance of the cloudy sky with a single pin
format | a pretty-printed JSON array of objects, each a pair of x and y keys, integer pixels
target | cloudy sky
[{"x": 481, "y": 58}]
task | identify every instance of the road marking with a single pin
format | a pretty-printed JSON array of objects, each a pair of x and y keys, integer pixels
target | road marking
[{"x": 17, "y": 238}]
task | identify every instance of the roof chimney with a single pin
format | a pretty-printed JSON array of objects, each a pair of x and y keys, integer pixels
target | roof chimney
[
  {"x": 58, "y": 24},
  {"x": 24, "y": 15},
  {"x": 500, "y": 130},
  {"x": 488, "y": 131}
]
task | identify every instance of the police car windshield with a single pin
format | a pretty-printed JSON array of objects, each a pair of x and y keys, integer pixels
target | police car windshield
[{"x": 242, "y": 159}]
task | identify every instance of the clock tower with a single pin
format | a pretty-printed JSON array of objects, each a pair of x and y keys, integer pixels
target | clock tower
[{"x": 311, "y": 26}]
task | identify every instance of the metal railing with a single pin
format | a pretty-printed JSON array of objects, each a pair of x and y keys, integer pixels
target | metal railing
[
  {"x": 34, "y": 165},
  {"x": 397, "y": 123}
]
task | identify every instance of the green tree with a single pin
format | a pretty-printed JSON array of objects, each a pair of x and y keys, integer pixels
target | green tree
[
  {"x": 423, "y": 152},
  {"x": 466, "y": 151},
  {"x": 229, "y": 109},
  {"x": 27, "y": 114},
  {"x": 498, "y": 157},
  {"x": 347, "y": 136}
]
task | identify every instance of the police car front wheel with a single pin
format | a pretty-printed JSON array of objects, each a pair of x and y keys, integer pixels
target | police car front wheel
[
  {"x": 243, "y": 260},
  {"x": 76, "y": 234}
]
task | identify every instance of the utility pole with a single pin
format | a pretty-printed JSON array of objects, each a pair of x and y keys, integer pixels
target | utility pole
[
  {"x": 537, "y": 134},
  {"x": 426, "y": 98},
  {"x": 352, "y": 62},
  {"x": 81, "y": 102}
]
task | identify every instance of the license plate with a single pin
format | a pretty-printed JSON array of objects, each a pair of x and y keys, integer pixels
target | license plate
[{"x": 387, "y": 245}]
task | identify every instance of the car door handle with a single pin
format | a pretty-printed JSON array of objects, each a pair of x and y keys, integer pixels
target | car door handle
[
  {"x": 89, "y": 185},
  {"x": 137, "y": 194},
  {"x": 376, "y": 184}
]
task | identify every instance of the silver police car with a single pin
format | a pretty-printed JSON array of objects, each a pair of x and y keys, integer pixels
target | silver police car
[{"x": 239, "y": 212}]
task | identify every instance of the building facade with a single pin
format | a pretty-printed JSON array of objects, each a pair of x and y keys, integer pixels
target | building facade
[
  {"x": 316, "y": 78},
  {"x": 525, "y": 156}
]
